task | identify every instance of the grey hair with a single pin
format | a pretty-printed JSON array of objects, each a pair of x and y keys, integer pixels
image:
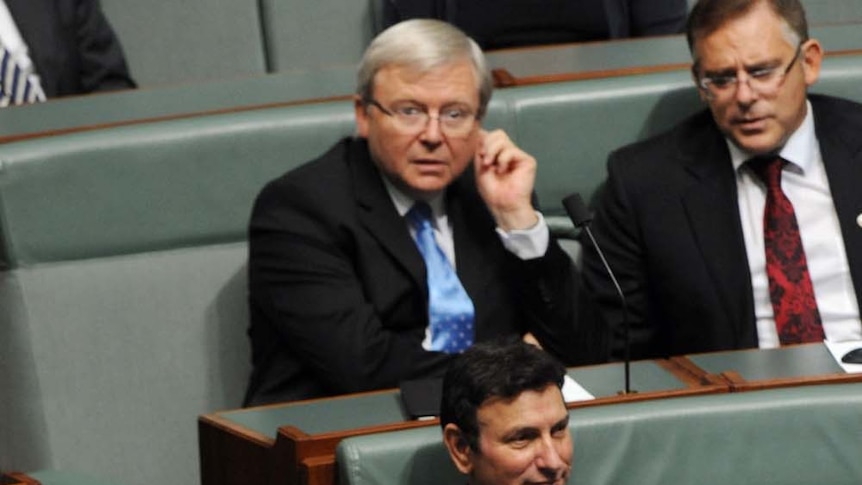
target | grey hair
[{"x": 423, "y": 45}]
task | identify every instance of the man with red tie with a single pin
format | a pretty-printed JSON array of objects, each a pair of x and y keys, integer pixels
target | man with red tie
[{"x": 742, "y": 226}]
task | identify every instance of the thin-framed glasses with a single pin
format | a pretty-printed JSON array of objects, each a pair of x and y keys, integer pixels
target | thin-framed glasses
[
  {"x": 413, "y": 118},
  {"x": 763, "y": 81}
]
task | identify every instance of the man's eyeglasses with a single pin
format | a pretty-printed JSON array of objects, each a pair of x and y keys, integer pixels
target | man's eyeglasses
[
  {"x": 763, "y": 81},
  {"x": 413, "y": 118}
]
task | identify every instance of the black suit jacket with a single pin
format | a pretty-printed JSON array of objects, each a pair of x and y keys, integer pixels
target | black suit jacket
[
  {"x": 338, "y": 294},
  {"x": 495, "y": 24},
  {"x": 668, "y": 222},
  {"x": 72, "y": 46}
]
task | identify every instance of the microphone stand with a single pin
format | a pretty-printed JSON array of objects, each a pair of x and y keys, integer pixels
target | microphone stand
[{"x": 581, "y": 217}]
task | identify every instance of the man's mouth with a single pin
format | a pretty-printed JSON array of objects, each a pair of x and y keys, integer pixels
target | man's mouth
[
  {"x": 750, "y": 122},
  {"x": 428, "y": 161}
]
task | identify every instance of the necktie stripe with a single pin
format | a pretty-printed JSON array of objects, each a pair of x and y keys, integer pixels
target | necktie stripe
[
  {"x": 13, "y": 91},
  {"x": 16, "y": 85}
]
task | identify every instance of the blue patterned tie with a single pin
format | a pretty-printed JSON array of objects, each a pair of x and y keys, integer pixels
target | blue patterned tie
[{"x": 450, "y": 308}]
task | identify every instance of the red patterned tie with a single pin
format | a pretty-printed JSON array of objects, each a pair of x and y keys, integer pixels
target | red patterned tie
[{"x": 796, "y": 316}]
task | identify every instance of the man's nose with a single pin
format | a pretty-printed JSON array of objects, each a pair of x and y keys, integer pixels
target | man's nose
[
  {"x": 745, "y": 94},
  {"x": 549, "y": 457},
  {"x": 431, "y": 135},
  {"x": 432, "y": 129}
]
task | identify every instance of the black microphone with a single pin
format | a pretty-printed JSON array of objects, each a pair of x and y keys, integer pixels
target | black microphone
[{"x": 581, "y": 217}]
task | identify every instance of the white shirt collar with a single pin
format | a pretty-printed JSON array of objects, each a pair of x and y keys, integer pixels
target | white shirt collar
[
  {"x": 404, "y": 203},
  {"x": 11, "y": 38}
]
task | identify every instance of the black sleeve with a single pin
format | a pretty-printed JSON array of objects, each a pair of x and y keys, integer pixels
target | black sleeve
[
  {"x": 657, "y": 17},
  {"x": 103, "y": 65},
  {"x": 615, "y": 227},
  {"x": 561, "y": 313}
]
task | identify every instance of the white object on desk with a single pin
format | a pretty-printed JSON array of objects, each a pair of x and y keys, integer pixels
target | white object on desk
[
  {"x": 572, "y": 391},
  {"x": 838, "y": 350}
]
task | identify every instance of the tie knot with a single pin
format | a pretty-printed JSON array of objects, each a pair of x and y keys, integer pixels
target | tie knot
[
  {"x": 768, "y": 169},
  {"x": 419, "y": 215}
]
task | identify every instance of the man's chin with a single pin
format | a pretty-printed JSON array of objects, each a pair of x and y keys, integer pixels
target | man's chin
[
  {"x": 756, "y": 144},
  {"x": 425, "y": 189},
  {"x": 428, "y": 184}
]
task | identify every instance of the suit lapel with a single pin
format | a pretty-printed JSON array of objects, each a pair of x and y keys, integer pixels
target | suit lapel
[
  {"x": 477, "y": 246},
  {"x": 841, "y": 148},
  {"x": 378, "y": 215},
  {"x": 713, "y": 214},
  {"x": 469, "y": 255}
]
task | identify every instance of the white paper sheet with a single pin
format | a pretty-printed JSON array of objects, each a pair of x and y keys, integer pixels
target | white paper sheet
[
  {"x": 572, "y": 391},
  {"x": 838, "y": 350}
]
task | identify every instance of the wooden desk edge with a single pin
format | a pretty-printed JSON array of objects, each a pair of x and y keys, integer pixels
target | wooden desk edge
[
  {"x": 17, "y": 478},
  {"x": 318, "y": 470},
  {"x": 295, "y": 445},
  {"x": 740, "y": 384},
  {"x": 217, "y": 421},
  {"x": 505, "y": 79},
  {"x": 249, "y": 450},
  {"x": 688, "y": 371}
]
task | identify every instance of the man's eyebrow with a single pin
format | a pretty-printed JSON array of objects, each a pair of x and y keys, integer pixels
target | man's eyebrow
[
  {"x": 520, "y": 433},
  {"x": 562, "y": 423},
  {"x": 731, "y": 71},
  {"x": 408, "y": 101},
  {"x": 727, "y": 72}
]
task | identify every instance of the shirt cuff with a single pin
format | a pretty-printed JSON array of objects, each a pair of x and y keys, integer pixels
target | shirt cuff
[{"x": 528, "y": 243}]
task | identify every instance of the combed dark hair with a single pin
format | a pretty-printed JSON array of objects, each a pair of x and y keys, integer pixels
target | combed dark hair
[
  {"x": 707, "y": 16},
  {"x": 496, "y": 369}
]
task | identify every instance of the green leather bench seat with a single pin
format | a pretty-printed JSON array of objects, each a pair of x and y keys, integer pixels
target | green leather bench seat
[
  {"x": 820, "y": 12},
  {"x": 168, "y": 42},
  {"x": 303, "y": 81},
  {"x": 152, "y": 186},
  {"x": 322, "y": 33},
  {"x": 77, "y": 113},
  {"x": 841, "y": 76},
  {"x": 122, "y": 302},
  {"x": 597, "y": 59},
  {"x": 793, "y": 436}
]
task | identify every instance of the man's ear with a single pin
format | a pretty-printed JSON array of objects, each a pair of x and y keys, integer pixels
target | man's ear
[
  {"x": 696, "y": 80},
  {"x": 458, "y": 448},
  {"x": 812, "y": 58},
  {"x": 360, "y": 112}
]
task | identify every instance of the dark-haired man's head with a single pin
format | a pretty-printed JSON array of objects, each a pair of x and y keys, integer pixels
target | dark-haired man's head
[
  {"x": 503, "y": 415},
  {"x": 753, "y": 63}
]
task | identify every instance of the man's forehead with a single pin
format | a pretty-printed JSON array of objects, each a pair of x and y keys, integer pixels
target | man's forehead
[
  {"x": 416, "y": 72},
  {"x": 447, "y": 83},
  {"x": 515, "y": 411}
]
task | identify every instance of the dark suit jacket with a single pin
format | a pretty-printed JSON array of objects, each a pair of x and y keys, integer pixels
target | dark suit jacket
[
  {"x": 338, "y": 294},
  {"x": 72, "y": 46},
  {"x": 495, "y": 24},
  {"x": 668, "y": 222}
]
